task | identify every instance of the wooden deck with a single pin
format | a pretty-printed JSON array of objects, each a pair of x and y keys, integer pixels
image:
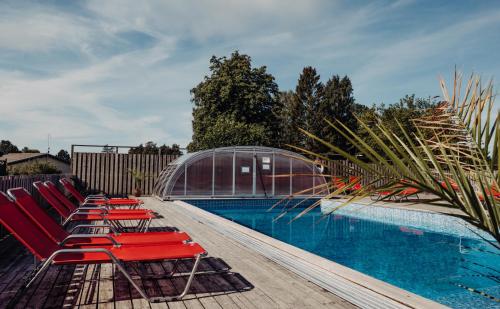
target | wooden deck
[{"x": 252, "y": 281}]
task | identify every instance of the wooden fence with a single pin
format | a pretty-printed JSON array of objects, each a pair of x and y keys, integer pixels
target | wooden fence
[
  {"x": 112, "y": 172},
  {"x": 26, "y": 181},
  {"x": 342, "y": 168}
]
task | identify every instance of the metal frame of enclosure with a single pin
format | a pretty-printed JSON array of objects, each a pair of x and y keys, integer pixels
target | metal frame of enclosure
[{"x": 240, "y": 172}]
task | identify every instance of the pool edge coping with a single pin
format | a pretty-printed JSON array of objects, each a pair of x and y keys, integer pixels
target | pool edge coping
[{"x": 348, "y": 282}]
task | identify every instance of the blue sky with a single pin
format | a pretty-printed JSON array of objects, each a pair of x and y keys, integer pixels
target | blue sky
[{"x": 119, "y": 72}]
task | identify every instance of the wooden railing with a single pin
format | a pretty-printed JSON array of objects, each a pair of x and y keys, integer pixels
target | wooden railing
[{"x": 112, "y": 172}]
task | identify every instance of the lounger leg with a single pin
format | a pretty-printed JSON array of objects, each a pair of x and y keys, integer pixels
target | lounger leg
[
  {"x": 122, "y": 269},
  {"x": 66, "y": 221},
  {"x": 148, "y": 223},
  {"x": 44, "y": 267},
  {"x": 161, "y": 299},
  {"x": 186, "y": 289},
  {"x": 117, "y": 225},
  {"x": 174, "y": 268}
]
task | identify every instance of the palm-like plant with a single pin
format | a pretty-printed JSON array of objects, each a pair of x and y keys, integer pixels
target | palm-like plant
[{"x": 453, "y": 154}]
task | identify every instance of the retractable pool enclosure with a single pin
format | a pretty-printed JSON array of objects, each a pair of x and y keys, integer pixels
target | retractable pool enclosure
[{"x": 240, "y": 172}]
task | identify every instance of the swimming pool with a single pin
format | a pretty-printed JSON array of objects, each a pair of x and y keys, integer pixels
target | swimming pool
[{"x": 459, "y": 272}]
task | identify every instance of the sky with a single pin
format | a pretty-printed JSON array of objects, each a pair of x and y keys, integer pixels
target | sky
[{"x": 119, "y": 72}]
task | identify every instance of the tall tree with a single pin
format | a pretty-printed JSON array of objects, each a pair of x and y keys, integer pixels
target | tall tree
[
  {"x": 7, "y": 147},
  {"x": 309, "y": 94},
  {"x": 238, "y": 92},
  {"x": 290, "y": 114},
  {"x": 337, "y": 103},
  {"x": 404, "y": 111},
  {"x": 64, "y": 155},
  {"x": 225, "y": 131}
]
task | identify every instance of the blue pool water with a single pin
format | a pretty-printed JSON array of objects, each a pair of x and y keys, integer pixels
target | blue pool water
[{"x": 438, "y": 266}]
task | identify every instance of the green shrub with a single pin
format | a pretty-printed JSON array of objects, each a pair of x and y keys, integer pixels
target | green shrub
[{"x": 34, "y": 169}]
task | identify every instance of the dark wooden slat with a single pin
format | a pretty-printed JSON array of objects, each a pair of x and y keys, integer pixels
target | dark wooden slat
[{"x": 109, "y": 173}]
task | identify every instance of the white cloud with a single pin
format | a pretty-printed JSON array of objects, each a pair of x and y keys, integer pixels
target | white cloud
[
  {"x": 118, "y": 90},
  {"x": 41, "y": 29},
  {"x": 80, "y": 105},
  {"x": 204, "y": 20}
]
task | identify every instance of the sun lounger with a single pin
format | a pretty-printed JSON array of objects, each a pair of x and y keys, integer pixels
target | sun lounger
[
  {"x": 144, "y": 220},
  {"x": 398, "y": 193},
  {"x": 50, "y": 253},
  {"x": 453, "y": 185},
  {"x": 98, "y": 199},
  {"x": 93, "y": 208},
  {"x": 348, "y": 185},
  {"x": 39, "y": 216}
]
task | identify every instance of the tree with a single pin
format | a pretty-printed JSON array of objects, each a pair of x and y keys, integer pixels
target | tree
[
  {"x": 308, "y": 93},
  {"x": 136, "y": 150},
  {"x": 152, "y": 148},
  {"x": 238, "y": 93},
  {"x": 7, "y": 147},
  {"x": 289, "y": 113},
  {"x": 175, "y": 149},
  {"x": 461, "y": 146},
  {"x": 148, "y": 148},
  {"x": 407, "y": 109},
  {"x": 225, "y": 131},
  {"x": 29, "y": 150},
  {"x": 64, "y": 155},
  {"x": 337, "y": 104}
]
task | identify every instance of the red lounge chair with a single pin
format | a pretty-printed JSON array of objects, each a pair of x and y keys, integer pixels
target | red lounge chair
[
  {"x": 98, "y": 199},
  {"x": 93, "y": 208},
  {"x": 82, "y": 214},
  {"x": 491, "y": 192},
  {"x": 49, "y": 191},
  {"x": 49, "y": 252},
  {"x": 35, "y": 213},
  {"x": 397, "y": 193},
  {"x": 353, "y": 184},
  {"x": 338, "y": 183},
  {"x": 453, "y": 185}
]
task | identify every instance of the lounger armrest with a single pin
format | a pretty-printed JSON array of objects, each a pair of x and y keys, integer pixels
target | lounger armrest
[
  {"x": 93, "y": 226},
  {"x": 102, "y": 209},
  {"x": 84, "y": 250},
  {"x": 95, "y": 200},
  {"x": 76, "y": 213},
  {"x": 96, "y": 195},
  {"x": 77, "y": 236},
  {"x": 93, "y": 204}
]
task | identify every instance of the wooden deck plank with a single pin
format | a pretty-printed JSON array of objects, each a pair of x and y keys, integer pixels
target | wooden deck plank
[
  {"x": 106, "y": 289},
  {"x": 287, "y": 292},
  {"x": 267, "y": 270},
  {"x": 236, "y": 277}
]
